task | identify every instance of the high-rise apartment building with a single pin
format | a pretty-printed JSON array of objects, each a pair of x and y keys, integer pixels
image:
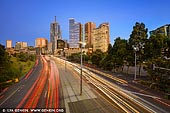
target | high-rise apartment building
[
  {"x": 164, "y": 30},
  {"x": 88, "y": 34},
  {"x": 41, "y": 45},
  {"x": 55, "y": 34},
  {"x": 8, "y": 43},
  {"x": 75, "y": 33},
  {"x": 41, "y": 42},
  {"x": 101, "y": 37},
  {"x": 20, "y": 45}
]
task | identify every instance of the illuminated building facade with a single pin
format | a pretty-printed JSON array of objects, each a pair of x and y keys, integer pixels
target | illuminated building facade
[
  {"x": 88, "y": 34},
  {"x": 8, "y": 43},
  {"x": 101, "y": 37}
]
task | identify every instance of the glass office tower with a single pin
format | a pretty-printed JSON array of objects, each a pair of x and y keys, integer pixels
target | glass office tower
[{"x": 75, "y": 33}]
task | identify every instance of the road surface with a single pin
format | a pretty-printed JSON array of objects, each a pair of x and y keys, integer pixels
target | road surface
[
  {"x": 38, "y": 89},
  {"x": 53, "y": 83}
]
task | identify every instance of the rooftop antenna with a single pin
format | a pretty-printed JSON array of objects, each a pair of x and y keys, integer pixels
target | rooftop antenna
[{"x": 55, "y": 18}]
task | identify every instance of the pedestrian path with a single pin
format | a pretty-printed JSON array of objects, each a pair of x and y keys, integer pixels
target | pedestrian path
[
  {"x": 88, "y": 102},
  {"x": 71, "y": 88}
]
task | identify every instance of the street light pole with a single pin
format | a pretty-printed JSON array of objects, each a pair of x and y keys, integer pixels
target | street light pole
[
  {"x": 135, "y": 67},
  {"x": 81, "y": 66},
  {"x": 137, "y": 48},
  {"x": 81, "y": 73}
]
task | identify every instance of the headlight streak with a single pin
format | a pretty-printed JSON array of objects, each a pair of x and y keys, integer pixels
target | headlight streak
[{"x": 105, "y": 86}]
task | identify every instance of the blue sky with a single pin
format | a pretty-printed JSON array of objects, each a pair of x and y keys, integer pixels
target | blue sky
[{"x": 26, "y": 20}]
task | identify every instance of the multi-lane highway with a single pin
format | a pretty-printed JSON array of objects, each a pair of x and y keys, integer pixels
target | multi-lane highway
[
  {"x": 122, "y": 93},
  {"x": 143, "y": 94},
  {"x": 14, "y": 96},
  {"x": 38, "y": 89}
]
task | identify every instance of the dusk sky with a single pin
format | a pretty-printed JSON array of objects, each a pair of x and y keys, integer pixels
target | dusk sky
[{"x": 26, "y": 20}]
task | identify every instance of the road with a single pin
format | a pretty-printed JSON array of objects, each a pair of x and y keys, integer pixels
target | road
[
  {"x": 41, "y": 88},
  {"x": 127, "y": 95},
  {"x": 38, "y": 89},
  {"x": 90, "y": 101},
  {"x": 145, "y": 94}
]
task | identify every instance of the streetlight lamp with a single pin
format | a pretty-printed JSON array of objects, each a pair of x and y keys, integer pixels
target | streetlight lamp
[
  {"x": 82, "y": 44},
  {"x": 136, "y": 48}
]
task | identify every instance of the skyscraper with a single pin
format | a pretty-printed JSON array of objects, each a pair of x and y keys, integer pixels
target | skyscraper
[
  {"x": 41, "y": 45},
  {"x": 20, "y": 45},
  {"x": 55, "y": 34},
  {"x": 88, "y": 34},
  {"x": 8, "y": 43},
  {"x": 41, "y": 42},
  {"x": 75, "y": 33},
  {"x": 101, "y": 37}
]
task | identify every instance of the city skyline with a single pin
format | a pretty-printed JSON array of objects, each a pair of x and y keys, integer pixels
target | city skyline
[{"x": 26, "y": 20}]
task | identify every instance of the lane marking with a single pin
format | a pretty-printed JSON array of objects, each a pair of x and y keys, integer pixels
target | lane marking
[
  {"x": 45, "y": 94},
  {"x": 27, "y": 94},
  {"x": 10, "y": 95},
  {"x": 33, "y": 100}
]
